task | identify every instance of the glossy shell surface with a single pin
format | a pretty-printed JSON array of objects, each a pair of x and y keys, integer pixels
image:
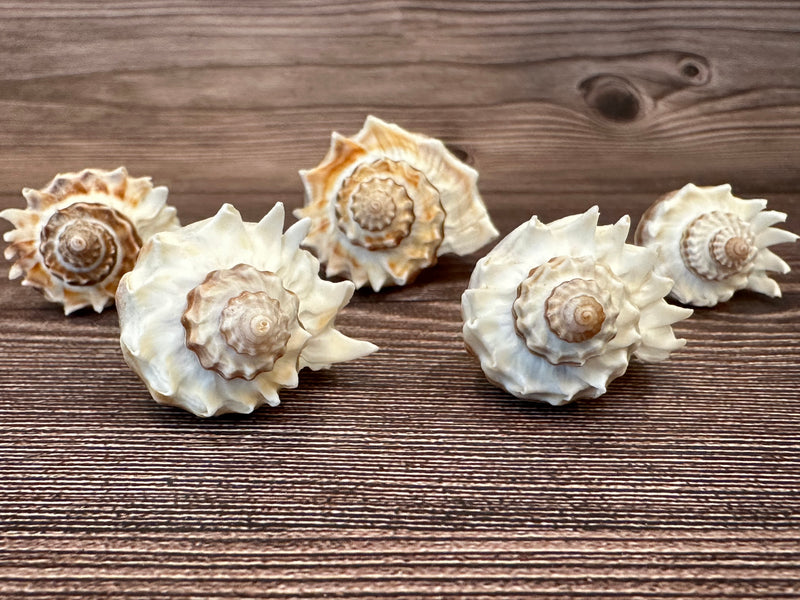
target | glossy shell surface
[
  {"x": 82, "y": 232},
  {"x": 386, "y": 203},
  {"x": 220, "y": 315},
  {"x": 712, "y": 243},
  {"x": 556, "y": 311}
]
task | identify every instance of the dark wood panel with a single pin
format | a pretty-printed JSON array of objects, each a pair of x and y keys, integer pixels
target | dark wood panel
[
  {"x": 230, "y": 100},
  {"x": 406, "y": 474}
]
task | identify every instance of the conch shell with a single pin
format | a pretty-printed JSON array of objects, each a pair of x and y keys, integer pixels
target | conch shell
[
  {"x": 555, "y": 312},
  {"x": 218, "y": 316},
  {"x": 387, "y": 203},
  {"x": 712, "y": 243},
  {"x": 82, "y": 232}
]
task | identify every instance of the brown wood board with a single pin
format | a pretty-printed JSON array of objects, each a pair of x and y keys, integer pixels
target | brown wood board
[{"x": 406, "y": 474}]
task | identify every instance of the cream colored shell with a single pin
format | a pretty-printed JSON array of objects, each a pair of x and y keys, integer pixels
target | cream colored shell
[
  {"x": 555, "y": 312},
  {"x": 386, "y": 203},
  {"x": 712, "y": 243},
  {"x": 218, "y": 316},
  {"x": 82, "y": 232}
]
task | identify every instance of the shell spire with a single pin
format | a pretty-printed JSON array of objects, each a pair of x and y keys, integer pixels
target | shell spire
[
  {"x": 386, "y": 203},
  {"x": 82, "y": 232},
  {"x": 220, "y": 315},
  {"x": 712, "y": 243},
  {"x": 555, "y": 312}
]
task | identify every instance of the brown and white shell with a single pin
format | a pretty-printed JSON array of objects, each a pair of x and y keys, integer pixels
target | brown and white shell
[
  {"x": 220, "y": 315},
  {"x": 556, "y": 311},
  {"x": 386, "y": 203},
  {"x": 82, "y": 232},
  {"x": 712, "y": 243}
]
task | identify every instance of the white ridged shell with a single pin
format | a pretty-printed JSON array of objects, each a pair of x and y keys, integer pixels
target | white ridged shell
[
  {"x": 232, "y": 291},
  {"x": 712, "y": 243},
  {"x": 386, "y": 203},
  {"x": 554, "y": 312},
  {"x": 82, "y": 232}
]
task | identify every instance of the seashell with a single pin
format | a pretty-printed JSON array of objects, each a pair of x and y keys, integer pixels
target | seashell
[
  {"x": 218, "y": 316},
  {"x": 555, "y": 312},
  {"x": 712, "y": 243},
  {"x": 387, "y": 203},
  {"x": 82, "y": 232}
]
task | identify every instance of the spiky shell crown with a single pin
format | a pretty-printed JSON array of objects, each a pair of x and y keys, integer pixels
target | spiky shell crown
[
  {"x": 555, "y": 312},
  {"x": 386, "y": 203},
  {"x": 82, "y": 232},
  {"x": 218, "y": 316},
  {"x": 712, "y": 243}
]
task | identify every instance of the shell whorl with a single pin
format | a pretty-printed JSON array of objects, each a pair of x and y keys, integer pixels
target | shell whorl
[
  {"x": 83, "y": 243},
  {"x": 573, "y": 310},
  {"x": 717, "y": 245},
  {"x": 566, "y": 309},
  {"x": 252, "y": 323},
  {"x": 375, "y": 205},
  {"x": 238, "y": 321}
]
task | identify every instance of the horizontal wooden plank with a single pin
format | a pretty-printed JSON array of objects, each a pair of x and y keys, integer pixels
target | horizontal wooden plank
[
  {"x": 747, "y": 139},
  {"x": 213, "y": 99},
  {"x": 368, "y": 562}
]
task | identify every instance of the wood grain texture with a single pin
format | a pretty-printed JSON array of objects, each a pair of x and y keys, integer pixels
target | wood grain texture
[{"x": 405, "y": 474}]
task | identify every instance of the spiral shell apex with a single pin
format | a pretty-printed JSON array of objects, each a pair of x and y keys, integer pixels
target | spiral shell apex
[
  {"x": 240, "y": 333},
  {"x": 712, "y": 243},
  {"x": 387, "y": 203},
  {"x": 220, "y": 315},
  {"x": 555, "y": 312},
  {"x": 82, "y": 232}
]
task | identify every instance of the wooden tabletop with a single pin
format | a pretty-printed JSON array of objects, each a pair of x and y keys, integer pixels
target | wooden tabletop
[{"x": 406, "y": 474}]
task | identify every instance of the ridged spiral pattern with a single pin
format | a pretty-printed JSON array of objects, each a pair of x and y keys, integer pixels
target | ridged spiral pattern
[
  {"x": 573, "y": 310},
  {"x": 252, "y": 323},
  {"x": 239, "y": 321},
  {"x": 717, "y": 245},
  {"x": 565, "y": 310},
  {"x": 82, "y": 243},
  {"x": 375, "y": 208},
  {"x": 374, "y": 203}
]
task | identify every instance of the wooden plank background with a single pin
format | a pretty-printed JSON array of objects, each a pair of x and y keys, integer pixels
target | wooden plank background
[{"x": 406, "y": 474}]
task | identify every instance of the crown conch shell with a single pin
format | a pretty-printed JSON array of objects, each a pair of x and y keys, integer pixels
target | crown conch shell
[
  {"x": 555, "y": 312},
  {"x": 82, "y": 232},
  {"x": 712, "y": 243},
  {"x": 218, "y": 316},
  {"x": 386, "y": 203}
]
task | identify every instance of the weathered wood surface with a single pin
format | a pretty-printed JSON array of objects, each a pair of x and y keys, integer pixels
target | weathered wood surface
[{"x": 405, "y": 474}]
